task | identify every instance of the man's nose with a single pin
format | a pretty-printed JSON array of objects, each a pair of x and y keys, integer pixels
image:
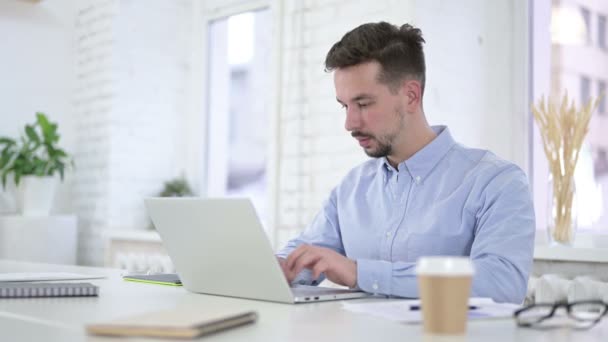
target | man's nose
[{"x": 353, "y": 120}]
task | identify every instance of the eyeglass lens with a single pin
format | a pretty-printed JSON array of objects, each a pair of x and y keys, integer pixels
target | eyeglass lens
[{"x": 580, "y": 315}]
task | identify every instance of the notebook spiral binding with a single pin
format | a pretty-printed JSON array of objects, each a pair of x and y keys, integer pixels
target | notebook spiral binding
[{"x": 30, "y": 290}]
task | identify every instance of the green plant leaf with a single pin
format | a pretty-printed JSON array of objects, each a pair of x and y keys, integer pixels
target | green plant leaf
[
  {"x": 59, "y": 153},
  {"x": 33, "y": 153},
  {"x": 61, "y": 169},
  {"x": 49, "y": 130},
  {"x": 4, "y": 175},
  {"x": 7, "y": 151},
  {"x": 51, "y": 136},
  {"x": 7, "y": 141},
  {"x": 42, "y": 120},
  {"x": 4, "y": 160},
  {"x": 32, "y": 134}
]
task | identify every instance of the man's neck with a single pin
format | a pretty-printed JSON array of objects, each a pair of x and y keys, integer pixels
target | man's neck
[{"x": 414, "y": 140}]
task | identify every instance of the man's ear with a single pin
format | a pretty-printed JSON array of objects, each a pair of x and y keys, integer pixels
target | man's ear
[{"x": 413, "y": 94}]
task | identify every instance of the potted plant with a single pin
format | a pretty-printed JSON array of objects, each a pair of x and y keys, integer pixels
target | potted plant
[
  {"x": 34, "y": 161},
  {"x": 177, "y": 187}
]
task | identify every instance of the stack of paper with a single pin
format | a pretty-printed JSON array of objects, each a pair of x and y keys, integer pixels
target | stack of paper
[
  {"x": 46, "y": 276},
  {"x": 407, "y": 311}
]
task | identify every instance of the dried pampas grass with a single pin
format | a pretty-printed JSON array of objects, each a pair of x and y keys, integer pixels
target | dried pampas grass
[{"x": 563, "y": 129}]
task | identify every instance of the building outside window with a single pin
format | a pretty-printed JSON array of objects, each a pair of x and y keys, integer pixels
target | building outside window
[
  {"x": 238, "y": 108},
  {"x": 574, "y": 65},
  {"x": 601, "y": 31}
]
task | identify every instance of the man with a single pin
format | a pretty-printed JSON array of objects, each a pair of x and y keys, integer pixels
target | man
[{"x": 423, "y": 194}]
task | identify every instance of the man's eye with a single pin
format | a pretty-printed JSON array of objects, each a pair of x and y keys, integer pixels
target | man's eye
[{"x": 363, "y": 105}]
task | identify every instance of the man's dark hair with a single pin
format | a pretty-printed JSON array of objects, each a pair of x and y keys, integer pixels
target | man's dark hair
[{"x": 397, "y": 49}]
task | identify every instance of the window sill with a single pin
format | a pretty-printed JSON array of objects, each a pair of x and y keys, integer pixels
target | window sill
[
  {"x": 589, "y": 248},
  {"x": 576, "y": 254},
  {"x": 133, "y": 235}
]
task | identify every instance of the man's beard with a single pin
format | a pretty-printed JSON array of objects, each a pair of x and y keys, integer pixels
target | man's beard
[
  {"x": 384, "y": 147},
  {"x": 385, "y": 142}
]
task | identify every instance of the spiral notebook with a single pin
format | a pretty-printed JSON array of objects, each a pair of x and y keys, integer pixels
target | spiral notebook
[{"x": 29, "y": 290}]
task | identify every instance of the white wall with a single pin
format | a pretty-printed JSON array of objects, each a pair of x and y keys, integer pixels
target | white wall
[
  {"x": 131, "y": 91},
  {"x": 36, "y": 72},
  {"x": 477, "y": 72}
]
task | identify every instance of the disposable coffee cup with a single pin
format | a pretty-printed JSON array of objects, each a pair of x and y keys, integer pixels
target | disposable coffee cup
[{"x": 444, "y": 285}]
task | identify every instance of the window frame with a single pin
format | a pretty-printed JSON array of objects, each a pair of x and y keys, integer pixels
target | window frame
[{"x": 205, "y": 14}]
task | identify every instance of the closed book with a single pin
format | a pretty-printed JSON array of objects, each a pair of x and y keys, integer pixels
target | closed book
[
  {"x": 174, "y": 323},
  {"x": 27, "y": 290}
]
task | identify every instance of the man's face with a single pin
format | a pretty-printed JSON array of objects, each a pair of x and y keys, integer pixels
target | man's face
[{"x": 374, "y": 115}]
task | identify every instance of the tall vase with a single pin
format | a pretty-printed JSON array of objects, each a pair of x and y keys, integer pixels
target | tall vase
[{"x": 562, "y": 211}]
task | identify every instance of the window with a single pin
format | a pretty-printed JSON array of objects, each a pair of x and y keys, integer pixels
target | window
[
  {"x": 587, "y": 19},
  {"x": 585, "y": 89},
  {"x": 559, "y": 64},
  {"x": 601, "y": 31},
  {"x": 601, "y": 91},
  {"x": 238, "y": 106}
]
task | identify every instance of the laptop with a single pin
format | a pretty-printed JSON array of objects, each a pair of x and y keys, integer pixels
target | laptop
[{"x": 218, "y": 247}]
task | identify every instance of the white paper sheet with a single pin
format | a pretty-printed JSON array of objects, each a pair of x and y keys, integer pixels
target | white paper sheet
[
  {"x": 401, "y": 310},
  {"x": 47, "y": 276}
]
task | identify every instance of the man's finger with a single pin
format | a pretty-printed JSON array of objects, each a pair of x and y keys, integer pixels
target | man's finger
[
  {"x": 295, "y": 255},
  {"x": 319, "y": 268},
  {"x": 306, "y": 260},
  {"x": 284, "y": 269}
]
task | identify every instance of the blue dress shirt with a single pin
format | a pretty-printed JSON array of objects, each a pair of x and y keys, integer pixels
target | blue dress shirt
[{"x": 446, "y": 199}]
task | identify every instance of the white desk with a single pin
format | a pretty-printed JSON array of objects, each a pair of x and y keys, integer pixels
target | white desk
[{"x": 63, "y": 319}]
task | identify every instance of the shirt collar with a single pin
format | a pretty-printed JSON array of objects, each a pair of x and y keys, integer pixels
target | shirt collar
[{"x": 423, "y": 161}]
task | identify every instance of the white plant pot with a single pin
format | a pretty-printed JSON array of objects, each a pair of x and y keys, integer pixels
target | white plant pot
[
  {"x": 35, "y": 195},
  {"x": 7, "y": 197}
]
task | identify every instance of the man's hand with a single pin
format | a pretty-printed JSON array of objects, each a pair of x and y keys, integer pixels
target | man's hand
[
  {"x": 336, "y": 267},
  {"x": 283, "y": 264}
]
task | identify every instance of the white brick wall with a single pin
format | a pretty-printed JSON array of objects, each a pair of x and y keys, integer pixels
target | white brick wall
[
  {"x": 95, "y": 91},
  {"x": 132, "y": 65}
]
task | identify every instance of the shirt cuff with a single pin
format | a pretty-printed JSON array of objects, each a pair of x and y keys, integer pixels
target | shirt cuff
[{"x": 374, "y": 276}]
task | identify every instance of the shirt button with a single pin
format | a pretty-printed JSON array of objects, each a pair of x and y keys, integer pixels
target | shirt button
[
  {"x": 388, "y": 234},
  {"x": 417, "y": 179},
  {"x": 375, "y": 286}
]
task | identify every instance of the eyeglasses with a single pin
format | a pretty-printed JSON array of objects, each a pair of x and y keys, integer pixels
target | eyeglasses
[{"x": 579, "y": 315}]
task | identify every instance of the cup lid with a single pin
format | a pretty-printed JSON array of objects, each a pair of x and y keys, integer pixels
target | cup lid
[{"x": 445, "y": 266}]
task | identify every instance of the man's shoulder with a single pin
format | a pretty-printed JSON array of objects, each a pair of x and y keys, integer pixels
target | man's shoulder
[{"x": 486, "y": 163}]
